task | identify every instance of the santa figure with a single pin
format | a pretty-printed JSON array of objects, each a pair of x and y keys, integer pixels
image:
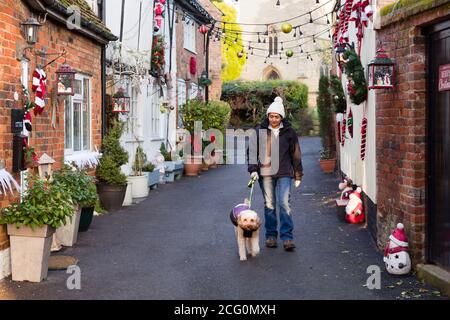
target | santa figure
[
  {"x": 396, "y": 256},
  {"x": 354, "y": 209}
]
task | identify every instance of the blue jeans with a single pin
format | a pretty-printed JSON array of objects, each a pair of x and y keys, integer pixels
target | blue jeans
[{"x": 277, "y": 194}]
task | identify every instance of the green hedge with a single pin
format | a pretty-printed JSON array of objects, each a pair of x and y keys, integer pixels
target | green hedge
[{"x": 249, "y": 101}]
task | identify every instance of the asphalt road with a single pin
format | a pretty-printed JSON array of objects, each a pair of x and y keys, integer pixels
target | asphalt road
[{"x": 180, "y": 244}]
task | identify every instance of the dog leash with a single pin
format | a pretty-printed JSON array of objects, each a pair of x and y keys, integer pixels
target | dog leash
[{"x": 251, "y": 184}]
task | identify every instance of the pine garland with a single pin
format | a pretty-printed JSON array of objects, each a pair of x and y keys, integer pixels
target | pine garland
[
  {"x": 158, "y": 60},
  {"x": 337, "y": 94},
  {"x": 357, "y": 87}
]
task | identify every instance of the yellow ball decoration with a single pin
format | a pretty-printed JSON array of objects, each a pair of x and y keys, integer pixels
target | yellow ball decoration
[{"x": 286, "y": 27}]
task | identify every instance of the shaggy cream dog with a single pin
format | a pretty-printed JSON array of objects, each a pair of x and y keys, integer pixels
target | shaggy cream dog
[{"x": 247, "y": 225}]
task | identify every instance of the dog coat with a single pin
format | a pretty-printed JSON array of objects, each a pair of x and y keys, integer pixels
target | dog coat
[{"x": 234, "y": 215}]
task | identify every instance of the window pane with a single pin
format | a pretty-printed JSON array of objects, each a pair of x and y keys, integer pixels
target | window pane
[
  {"x": 86, "y": 118},
  {"x": 67, "y": 126},
  {"x": 77, "y": 126},
  {"x": 78, "y": 85}
]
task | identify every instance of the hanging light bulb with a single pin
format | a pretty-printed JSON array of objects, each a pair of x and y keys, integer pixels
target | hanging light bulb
[
  {"x": 259, "y": 39},
  {"x": 264, "y": 40},
  {"x": 301, "y": 48},
  {"x": 300, "y": 31},
  {"x": 184, "y": 18},
  {"x": 328, "y": 21},
  {"x": 287, "y": 61},
  {"x": 314, "y": 39},
  {"x": 282, "y": 48},
  {"x": 317, "y": 1},
  {"x": 278, "y": 3},
  {"x": 310, "y": 18},
  {"x": 295, "y": 32},
  {"x": 265, "y": 61}
]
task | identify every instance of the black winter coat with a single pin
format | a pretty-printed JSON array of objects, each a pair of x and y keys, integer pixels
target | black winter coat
[{"x": 290, "y": 156}]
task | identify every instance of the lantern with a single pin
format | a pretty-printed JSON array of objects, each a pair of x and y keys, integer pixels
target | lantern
[
  {"x": 65, "y": 76},
  {"x": 30, "y": 30},
  {"x": 203, "y": 29},
  {"x": 381, "y": 71},
  {"x": 286, "y": 27},
  {"x": 121, "y": 102},
  {"x": 289, "y": 53}
]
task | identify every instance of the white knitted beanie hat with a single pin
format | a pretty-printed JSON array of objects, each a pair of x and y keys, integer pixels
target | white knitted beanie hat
[{"x": 276, "y": 107}]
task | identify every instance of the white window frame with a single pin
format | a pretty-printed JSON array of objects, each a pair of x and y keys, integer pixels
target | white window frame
[
  {"x": 78, "y": 98},
  {"x": 193, "y": 91},
  {"x": 190, "y": 31},
  {"x": 182, "y": 95},
  {"x": 156, "y": 114}
]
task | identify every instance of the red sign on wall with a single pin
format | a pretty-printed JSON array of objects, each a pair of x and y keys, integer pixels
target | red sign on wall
[{"x": 444, "y": 77}]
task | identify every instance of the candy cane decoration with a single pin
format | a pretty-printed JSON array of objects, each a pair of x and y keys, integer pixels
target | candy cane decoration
[
  {"x": 350, "y": 123},
  {"x": 40, "y": 87},
  {"x": 344, "y": 125},
  {"x": 363, "y": 138}
]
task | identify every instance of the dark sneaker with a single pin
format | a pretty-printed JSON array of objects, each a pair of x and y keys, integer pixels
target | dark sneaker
[
  {"x": 288, "y": 245},
  {"x": 271, "y": 243}
]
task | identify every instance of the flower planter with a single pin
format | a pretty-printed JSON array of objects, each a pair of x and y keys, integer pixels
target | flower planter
[
  {"x": 139, "y": 186},
  {"x": 86, "y": 219},
  {"x": 328, "y": 166},
  {"x": 67, "y": 234},
  {"x": 192, "y": 166},
  {"x": 111, "y": 196},
  {"x": 30, "y": 252},
  {"x": 169, "y": 166},
  {"x": 153, "y": 178},
  {"x": 179, "y": 165},
  {"x": 128, "y": 200}
]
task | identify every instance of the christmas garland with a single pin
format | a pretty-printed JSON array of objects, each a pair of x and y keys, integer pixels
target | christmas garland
[
  {"x": 158, "y": 60},
  {"x": 337, "y": 93},
  {"x": 357, "y": 87}
]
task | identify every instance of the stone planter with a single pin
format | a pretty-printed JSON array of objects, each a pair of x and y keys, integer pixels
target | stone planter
[
  {"x": 328, "y": 166},
  {"x": 169, "y": 166},
  {"x": 128, "y": 200},
  {"x": 67, "y": 234},
  {"x": 153, "y": 178},
  {"x": 139, "y": 186},
  {"x": 30, "y": 252}
]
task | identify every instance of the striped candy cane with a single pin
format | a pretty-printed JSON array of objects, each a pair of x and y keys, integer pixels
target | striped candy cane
[
  {"x": 344, "y": 125},
  {"x": 363, "y": 138}
]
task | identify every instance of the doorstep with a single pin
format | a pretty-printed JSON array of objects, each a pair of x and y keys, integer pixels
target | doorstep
[{"x": 435, "y": 276}]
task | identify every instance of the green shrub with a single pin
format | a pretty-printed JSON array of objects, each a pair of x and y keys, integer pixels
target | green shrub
[
  {"x": 113, "y": 157},
  {"x": 167, "y": 155},
  {"x": 148, "y": 167},
  {"x": 140, "y": 158},
  {"x": 324, "y": 110},
  {"x": 249, "y": 100},
  {"x": 45, "y": 203},
  {"x": 78, "y": 184}
]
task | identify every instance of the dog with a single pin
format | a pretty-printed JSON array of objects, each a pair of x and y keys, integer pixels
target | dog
[{"x": 247, "y": 225}]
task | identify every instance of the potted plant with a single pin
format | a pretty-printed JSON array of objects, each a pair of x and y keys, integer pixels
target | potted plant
[
  {"x": 74, "y": 184},
  {"x": 112, "y": 183},
  {"x": 139, "y": 180},
  {"x": 88, "y": 203},
  {"x": 327, "y": 163},
  {"x": 152, "y": 174},
  {"x": 31, "y": 224},
  {"x": 194, "y": 110}
]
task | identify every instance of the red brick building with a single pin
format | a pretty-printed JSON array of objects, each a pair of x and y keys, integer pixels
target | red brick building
[
  {"x": 413, "y": 129},
  {"x": 66, "y": 127}
]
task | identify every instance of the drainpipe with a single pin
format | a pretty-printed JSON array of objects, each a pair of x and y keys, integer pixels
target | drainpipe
[
  {"x": 207, "y": 64},
  {"x": 103, "y": 62}
]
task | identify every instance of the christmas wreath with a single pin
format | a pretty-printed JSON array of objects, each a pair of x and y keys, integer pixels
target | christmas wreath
[
  {"x": 158, "y": 59},
  {"x": 357, "y": 87}
]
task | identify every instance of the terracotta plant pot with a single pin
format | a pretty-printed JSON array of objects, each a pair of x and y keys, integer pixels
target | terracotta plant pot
[
  {"x": 328, "y": 165},
  {"x": 192, "y": 166}
]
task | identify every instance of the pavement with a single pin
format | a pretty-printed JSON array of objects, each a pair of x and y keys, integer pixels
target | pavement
[{"x": 180, "y": 244}]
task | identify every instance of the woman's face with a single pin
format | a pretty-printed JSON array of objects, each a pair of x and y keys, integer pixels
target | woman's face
[{"x": 274, "y": 119}]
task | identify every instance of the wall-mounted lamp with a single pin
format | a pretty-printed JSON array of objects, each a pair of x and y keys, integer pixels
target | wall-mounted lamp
[{"x": 30, "y": 30}]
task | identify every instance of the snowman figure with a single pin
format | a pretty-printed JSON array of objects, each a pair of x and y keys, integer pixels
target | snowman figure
[
  {"x": 396, "y": 256},
  {"x": 354, "y": 209}
]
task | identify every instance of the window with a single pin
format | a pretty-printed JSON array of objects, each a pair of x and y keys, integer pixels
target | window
[
  {"x": 156, "y": 113},
  {"x": 193, "y": 91},
  {"x": 181, "y": 84},
  {"x": 189, "y": 34},
  {"x": 93, "y": 5},
  {"x": 77, "y": 116},
  {"x": 273, "y": 41}
]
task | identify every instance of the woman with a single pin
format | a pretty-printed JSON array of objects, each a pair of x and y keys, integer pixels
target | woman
[{"x": 276, "y": 164}]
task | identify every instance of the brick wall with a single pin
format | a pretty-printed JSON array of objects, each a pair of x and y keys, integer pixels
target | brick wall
[
  {"x": 401, "y": 132},
  {"x": 83, "y": 55}
]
